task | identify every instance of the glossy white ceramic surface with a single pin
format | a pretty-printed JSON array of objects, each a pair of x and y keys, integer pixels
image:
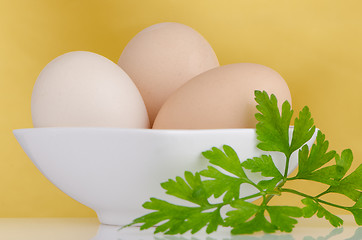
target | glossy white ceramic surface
[{"x": 113, "y": 171}]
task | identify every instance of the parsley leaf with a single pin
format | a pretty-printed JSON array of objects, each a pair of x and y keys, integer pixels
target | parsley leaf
[
  {"x": 192, "y": 190},
  {"x": 356, "y": 210},
  {"x": 264, "y": 165},
  {"x": 272, "y": 129},
  {"x": 351, "y": 186},
  {"x": 226, "y": 173},
  {"x": 245, "y": 210},
  {"x": 303, "y": 129},
  {"x": 309, "y": 163},
  {"x": 180, "y": 219},
  {"x": 343, "y": 163},
  {"x": 228, "y": 160},
  {"x": 256, "y": 224},
  {"x": 221, "y": 183},
  {"x": 313, "y": 207},
  {"x": 267, "y": 168},
  {"x": 282, "y": 216}
]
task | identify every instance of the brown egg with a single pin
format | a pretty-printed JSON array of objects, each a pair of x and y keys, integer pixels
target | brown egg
[
  {"x": 222, "y": 97},
  {"x": 163, "y": 57}
]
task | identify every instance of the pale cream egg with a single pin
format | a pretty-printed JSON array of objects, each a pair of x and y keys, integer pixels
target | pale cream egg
[
  {"x": 162, "y": 57},
  {"x": 222, "y": 97},
  {"x": 84, "y": 89}
]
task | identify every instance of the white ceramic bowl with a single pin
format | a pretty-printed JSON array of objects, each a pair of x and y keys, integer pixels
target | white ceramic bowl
[{"x": 114, "y": 171}]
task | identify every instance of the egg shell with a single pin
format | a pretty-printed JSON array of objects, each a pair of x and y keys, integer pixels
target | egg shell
[
  {"x": 162, "y": 57},
  {"x": 84, "y": 89},
  {"x": 221, "y": 98}
]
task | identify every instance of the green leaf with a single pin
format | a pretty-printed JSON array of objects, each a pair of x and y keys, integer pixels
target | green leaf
[
  {"x": 313, "y": 207},
  {"x": 310, "y": 209},
  {"x": 357, "y": 214},
  {"x": 164, "y": 211},
  {"x": 334, "y": 220},
  {"x": 351, "y": 186},
  {"x": 221, "y": 183},
  {"x": 358, "y": 203},
  {"x": 318, "y": 155},
  {"x": 264, "y": 165},
  {"x": 197, "y": 221},
  {"x": 324, "y": 175},
  {"x": 284, "y": 216},
  {"x": 273, "y": 128},
  {"x": 269, "y": 185},
  {"x": 343, "y": 163},
  {"x": 256, "y": 224},
  {"x": 356, "y": 210},
  {"x": 267, "y": 168},
  {"x": 192, "y": 190},
  {"x": 303, "y": 130},
  {"x": 309, "y": 162},
  {"x": 215, "y": 220},
  {"x": 227, "y": 159},
  {"x": 176, "y": 219},
  {"x": 245, "y": 210}
]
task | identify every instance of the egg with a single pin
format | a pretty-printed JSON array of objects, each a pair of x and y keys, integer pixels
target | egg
[
  {"x": 84, "y": 89},
  {"x": 222, "y": 97},
  {"x": 162, "y": 57}
]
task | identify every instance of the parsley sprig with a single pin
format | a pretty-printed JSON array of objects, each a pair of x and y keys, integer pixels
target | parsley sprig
[{"x": 245, "y": 217}]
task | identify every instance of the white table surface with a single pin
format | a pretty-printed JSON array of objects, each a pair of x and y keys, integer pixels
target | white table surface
[{"x": 90, "y": 229}]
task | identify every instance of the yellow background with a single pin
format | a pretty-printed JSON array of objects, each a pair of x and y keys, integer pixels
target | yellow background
[{"x": 315, "y": 45}]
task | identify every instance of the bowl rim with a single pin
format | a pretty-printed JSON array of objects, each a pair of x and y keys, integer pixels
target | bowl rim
[
  {"x": 137, "y": 130},
  {"x": 134, "y": 130}
]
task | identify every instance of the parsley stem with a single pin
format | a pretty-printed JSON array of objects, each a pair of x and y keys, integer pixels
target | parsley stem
[
  {"x": 314, "y": 198},
  {"x": 219, "y": 205},
  {"x": 280, "y": 185},
  {"x": 286, "y": 165},
  {"x": 267, "y": 199},
  {"x": 321, "y": 194},
  {"x": 331, "y": 204},
  {"x": 295, "y": 192}
]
